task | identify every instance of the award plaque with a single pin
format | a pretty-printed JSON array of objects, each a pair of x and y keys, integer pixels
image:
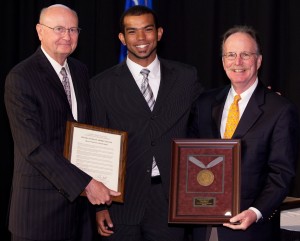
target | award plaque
[
  {"x": 100, "y": 152},
  {"x": 205, "y": 181}
]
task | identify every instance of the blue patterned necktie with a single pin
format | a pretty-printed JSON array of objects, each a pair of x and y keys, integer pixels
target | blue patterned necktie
[
  {"x": 66, "y": 85},
  {"x": 146, "y": 89}
]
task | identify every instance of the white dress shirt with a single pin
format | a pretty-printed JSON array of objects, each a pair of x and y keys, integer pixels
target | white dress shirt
[{"x": 57, "y": 67}]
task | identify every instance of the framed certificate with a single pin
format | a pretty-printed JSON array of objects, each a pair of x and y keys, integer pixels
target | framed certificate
[
  {"x": 205, "y": 181},
  {"x": 100, "y": 152}
]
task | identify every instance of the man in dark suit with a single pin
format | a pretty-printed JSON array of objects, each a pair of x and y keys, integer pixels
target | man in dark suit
[
  {"x": 45, "y": 202},
  {"x": 268, "y": 128},
  {"x": 151, "y": 122}
]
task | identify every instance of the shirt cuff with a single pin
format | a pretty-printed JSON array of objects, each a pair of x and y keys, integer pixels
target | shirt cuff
[{"x": 257, "y": 212}]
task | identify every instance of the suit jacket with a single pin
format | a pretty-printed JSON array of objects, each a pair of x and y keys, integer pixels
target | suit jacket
[
  {"x": 268, "y": 130},
  {"x": 45, "y": 186},
  {"x": 118, "y": 103}
]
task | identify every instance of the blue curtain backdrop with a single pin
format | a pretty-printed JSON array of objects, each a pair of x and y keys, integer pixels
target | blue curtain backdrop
[{"x": 128, "y": 4}]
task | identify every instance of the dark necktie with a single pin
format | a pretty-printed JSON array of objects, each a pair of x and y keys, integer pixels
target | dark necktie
[
  {"x": 66, "y": 85},
  {"x": 146, "y": 89}
]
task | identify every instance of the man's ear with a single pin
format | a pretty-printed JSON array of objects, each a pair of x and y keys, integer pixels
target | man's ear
[{"x": 122, "y": 38}]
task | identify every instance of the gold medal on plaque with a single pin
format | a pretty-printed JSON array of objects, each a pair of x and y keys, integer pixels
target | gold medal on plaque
[{"x": 205, "y": 177}]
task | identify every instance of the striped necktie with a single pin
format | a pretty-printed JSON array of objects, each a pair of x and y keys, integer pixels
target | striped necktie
[
  {"x": 146, "y": 89},
  {"x": 66, "y": 85}
]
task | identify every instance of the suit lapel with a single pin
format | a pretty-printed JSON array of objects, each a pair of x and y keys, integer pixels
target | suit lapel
[
  {"x": 124, "y": 79},
  {"x": 79, "y": 90},
  {"x": 128, "y": 85},
  {"x": 50, "y": 75},
  {"x": 217, "y": 110},
  {"x": 251, "y": 113},
  {"x": 168, "y": 78}
]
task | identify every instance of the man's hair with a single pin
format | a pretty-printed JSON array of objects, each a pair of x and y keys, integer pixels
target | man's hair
[
  {"x": 243, "y": 29},
  {"x": 137, "y": 11}
]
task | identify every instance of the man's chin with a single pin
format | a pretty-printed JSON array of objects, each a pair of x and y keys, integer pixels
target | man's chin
[{"x": 142, "y": 55}]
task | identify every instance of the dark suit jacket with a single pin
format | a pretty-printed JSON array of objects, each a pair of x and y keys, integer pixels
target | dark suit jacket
[
  {"x": 268, "y": 130},
  {"x": 45, "y": 186},
  {"x": 118, "y": 103}
]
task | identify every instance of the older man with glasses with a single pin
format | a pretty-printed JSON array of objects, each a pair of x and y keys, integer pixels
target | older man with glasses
[
  {"x": 267, "y": 125},
  {"x": 42, "y": 93}
]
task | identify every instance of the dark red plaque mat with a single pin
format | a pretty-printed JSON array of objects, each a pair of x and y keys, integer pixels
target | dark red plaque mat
[{"x": 215, "y": 198}]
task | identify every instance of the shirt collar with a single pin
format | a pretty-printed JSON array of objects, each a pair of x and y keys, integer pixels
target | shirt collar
[
  {"x": 247, "y": 93},
  {"x": 57, "y": 67},
  {"x": 135, "y": 68}
]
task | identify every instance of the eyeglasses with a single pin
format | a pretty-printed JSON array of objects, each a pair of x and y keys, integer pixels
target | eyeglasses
[
  {"x": 243, "y": 55},
  {"x": 62, "y": 30}
]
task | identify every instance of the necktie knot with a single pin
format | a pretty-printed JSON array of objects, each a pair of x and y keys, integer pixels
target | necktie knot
[
  {"x": 145, "y": 72},
  {"x": 237, "y": 98},
  {"x": 145, "y": 82},
  {"x": 63, "y": 72}
]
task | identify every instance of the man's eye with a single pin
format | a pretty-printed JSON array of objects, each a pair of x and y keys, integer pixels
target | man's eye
[
  {"x": 59, "y": 29},
  {"x": 149, "y": 29},
  {"x": 73, "y": 30},
  {"x": 245, "y": 55}
]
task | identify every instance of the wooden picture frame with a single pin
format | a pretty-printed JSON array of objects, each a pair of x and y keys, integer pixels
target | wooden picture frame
[
  {"x": 100, "y": 152},
  {"x": 205, "y": 181}
]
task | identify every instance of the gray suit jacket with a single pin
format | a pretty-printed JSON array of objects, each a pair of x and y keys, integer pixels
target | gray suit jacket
[{"x": 45, "y": 186}]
